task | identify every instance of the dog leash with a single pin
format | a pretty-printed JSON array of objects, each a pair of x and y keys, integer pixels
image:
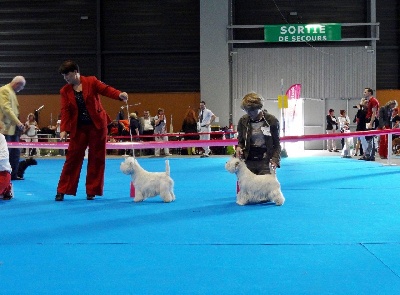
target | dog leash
[{"x": 130, "y": 131}]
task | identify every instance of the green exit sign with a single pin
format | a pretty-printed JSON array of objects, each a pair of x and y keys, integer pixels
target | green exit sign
[{"x": 303, "y": 33}]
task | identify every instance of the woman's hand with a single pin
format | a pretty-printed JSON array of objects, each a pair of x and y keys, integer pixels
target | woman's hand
[{"x": 123, "y": 96}]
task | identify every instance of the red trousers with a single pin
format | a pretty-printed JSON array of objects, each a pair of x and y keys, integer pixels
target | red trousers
[
  {"x": 95, "y": 139},
  {"x": 383, "y": 145},
  {"x": 5, "y": 182}
]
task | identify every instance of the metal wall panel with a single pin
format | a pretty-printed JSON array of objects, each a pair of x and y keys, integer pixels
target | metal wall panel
[{"x": 329, "y": 74}]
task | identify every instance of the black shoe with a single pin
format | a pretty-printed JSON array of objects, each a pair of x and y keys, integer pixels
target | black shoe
[
  {"x": 90, "y": 197},
  {"x": 17, "y": 178},
  {"x": 8, "y": 195},
  {"x": 370, "y": 159},
  {"x": 60, "y": 197},
  {"x": 362, "y": 158}
]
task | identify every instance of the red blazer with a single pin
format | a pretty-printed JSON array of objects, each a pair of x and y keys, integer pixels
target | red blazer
[{"x": 92, "y": 88}]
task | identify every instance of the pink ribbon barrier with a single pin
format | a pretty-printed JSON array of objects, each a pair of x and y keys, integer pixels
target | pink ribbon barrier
[{"x": 200, "y": 143}]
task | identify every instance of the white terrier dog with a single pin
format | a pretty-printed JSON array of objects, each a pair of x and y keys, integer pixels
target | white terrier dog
[
  {"x": 149, "y": 184},
  {"x": 255, "y": 188}
]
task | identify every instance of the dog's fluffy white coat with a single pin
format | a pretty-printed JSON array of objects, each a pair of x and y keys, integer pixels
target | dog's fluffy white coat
[
  {"x": 255, "y": 188},
  {"x": 149, "y": 184}
]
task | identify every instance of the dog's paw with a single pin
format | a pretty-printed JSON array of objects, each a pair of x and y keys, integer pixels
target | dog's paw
[
  {"x": 241, "y": 202},
  {"x": 280, "y": 201}
]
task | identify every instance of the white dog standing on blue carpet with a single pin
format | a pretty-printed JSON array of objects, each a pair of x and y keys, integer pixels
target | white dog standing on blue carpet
[
  {"x": 254, "y": 188},
  {"x": 149, "y": 184}
]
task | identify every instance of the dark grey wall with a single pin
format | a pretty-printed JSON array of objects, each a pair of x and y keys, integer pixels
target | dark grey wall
[
  {"x": 154, "y": 45},
  {"x": 137, "y": 46}
]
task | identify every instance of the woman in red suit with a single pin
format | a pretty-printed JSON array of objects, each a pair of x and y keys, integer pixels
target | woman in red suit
[{"x": 84, "y": 118}]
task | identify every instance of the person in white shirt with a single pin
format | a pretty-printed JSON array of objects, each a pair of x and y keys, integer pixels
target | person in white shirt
[
  {"x": 344, "y": 124},
  {"x": 206, "y": 118},
  {"x": 30, "y": 130}
]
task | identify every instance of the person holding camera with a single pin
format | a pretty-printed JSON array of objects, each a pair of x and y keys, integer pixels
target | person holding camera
[
  {"x": 331, "y": 127},
  {"x": 258, "y": 136},
  {"x": 160, "y": 123}
]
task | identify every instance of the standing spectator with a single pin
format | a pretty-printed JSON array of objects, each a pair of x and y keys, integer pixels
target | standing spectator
[
  {"x": 344, "y": 124},
  {"x": 140, "y": 127},
  {"x": 361, "y": 125},
  {"x": 372, "y": 121},
  {"x": 85, "y": 119},
  {"x": 395, "y": 124},
  {"x": 258, "y": 136},
  {"x": 61, "y": 152},
  {"x": 331, "y": 127},
  {"x": 134, "y": 126},
  {"x": 385, "y": 122},
  {"x": 395, "y": 120},
  {"x": 9, "y": 115},
  {"x": 147, "y": 124},
  {"x": 160, "y": 128},
  {"x": 206, "y": 118},
  {"x": 189, "y": 125},
  {"x": 30, "y": 130}
]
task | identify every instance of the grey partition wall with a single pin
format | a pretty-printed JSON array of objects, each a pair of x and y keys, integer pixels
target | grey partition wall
[{"x": 329, "y": 76}]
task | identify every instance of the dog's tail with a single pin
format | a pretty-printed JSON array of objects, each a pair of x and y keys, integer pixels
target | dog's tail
[{"x": 167, "y": 167}]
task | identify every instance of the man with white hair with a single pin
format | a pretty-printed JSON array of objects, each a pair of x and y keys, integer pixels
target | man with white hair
[{"x": 9, "y": 115}]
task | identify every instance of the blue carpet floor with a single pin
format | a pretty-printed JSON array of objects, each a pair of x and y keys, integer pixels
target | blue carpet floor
[{"x": 337, "y": 233}]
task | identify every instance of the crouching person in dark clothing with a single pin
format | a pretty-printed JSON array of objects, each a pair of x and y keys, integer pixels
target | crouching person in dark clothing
[{"x": 258, "y": 136}]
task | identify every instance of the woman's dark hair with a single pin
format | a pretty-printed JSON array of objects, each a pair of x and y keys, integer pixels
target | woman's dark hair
[{"x": 68, "y": 66}]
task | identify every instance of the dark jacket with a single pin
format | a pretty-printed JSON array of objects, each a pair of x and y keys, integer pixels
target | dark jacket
[
  {"x": 91, "y": 88},
  {"x": 188, "y": 127},
  {"x": 133, "y": 124},
  {"x": 330, "y": 124},
  {"x": 272, "y": 142},
  {"x": 361, "y": 120},
  {"x": 385, "y": 116}
]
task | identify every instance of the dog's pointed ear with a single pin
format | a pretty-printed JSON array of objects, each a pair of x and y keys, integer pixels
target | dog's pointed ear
[{"x": 132, "y": 162}]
